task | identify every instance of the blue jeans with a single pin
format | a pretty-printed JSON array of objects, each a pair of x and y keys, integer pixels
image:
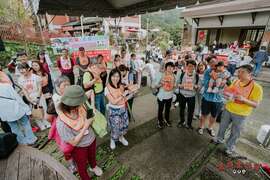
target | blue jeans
[
  {"x": 257, "y": 69},
  {"x": 23, "y": 130},
  {"x": 237, "y": 124},
  {"x": 100, "y": 102},
  {"x": 231, "y": 68}
]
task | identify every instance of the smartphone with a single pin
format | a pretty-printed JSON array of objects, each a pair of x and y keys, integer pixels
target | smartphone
[{"x": 89, "y": 112}]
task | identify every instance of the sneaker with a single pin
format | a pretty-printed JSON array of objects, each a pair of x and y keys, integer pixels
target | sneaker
[
  {"x": 112, "y": 145},
  {"x": 200, "y": 131},
  {"x": 123, "y": 141},
  {"x": 211, "y": 132},
  {"x": 97, "y": 170},
  {"x": 232, "y": 154},
  {"x": 181, "y": 125},
  {"x": 40, "y": 124},
  {"x": 215, "y": 90},
  {"x": 32, "y": 142},
  {"x": 228, "y": 152},
  {"x": 72, "y": 168},
  {"x": 46, "y": 124},
  {"x": 167, "y": 123},
  {"x": 209, "y": 90},
  {"x": 215, "y": 141},
  {"x": 189, "y": 127},
  {"x": 159, "y": 126}
]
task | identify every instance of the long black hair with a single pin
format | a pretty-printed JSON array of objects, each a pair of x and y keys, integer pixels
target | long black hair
[
  {"x": 41, "y": 53},
  {"x": 113, "y": 72}
]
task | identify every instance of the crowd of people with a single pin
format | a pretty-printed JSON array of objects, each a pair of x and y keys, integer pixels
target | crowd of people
[
  {"x": 210, "y": 91},
  {"x": 87, "y": 86}
]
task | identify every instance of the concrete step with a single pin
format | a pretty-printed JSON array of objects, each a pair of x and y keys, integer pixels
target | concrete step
[{"x": 253, "y": 151}]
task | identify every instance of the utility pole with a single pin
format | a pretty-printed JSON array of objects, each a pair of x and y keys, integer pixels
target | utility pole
[
  {"x": 82, "y": 25},
  {"x": 37, "y": 21},
  {"x": 147, "y": 29}
]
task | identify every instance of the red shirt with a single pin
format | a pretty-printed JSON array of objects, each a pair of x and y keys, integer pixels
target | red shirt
[{"x": 46, "y": 67}]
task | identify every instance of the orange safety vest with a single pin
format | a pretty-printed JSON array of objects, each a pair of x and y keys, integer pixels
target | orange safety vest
[
  {"x": 245, "y": 91},
  {"x": 168, "y": 82},
  {"x": 116, "y": 93}
]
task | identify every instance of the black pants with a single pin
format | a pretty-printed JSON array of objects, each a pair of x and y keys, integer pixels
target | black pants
[
  {"x": 190, "y": 101},
  {"x": 50, "y": 83},
  {"x": 130, "y": 103},
  {"x": 70, "y": 77},
  {"x": 161, "y": 104}
]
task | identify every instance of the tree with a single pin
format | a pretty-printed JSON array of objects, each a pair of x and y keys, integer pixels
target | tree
[
  {"x": 13, "y": 11},
  {"x": 175, "y": 35},
  {"x": 166, "y": 21},
  {"x": 15, "y": 18}
]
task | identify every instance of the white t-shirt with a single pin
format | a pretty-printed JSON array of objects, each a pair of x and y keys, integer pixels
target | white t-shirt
[
  {"x": 65, "y": 63},
  {"x": 149, "y": 68},
  {"x": 31, "y": 85},
  {"x": 56, "y": 100},
  {"x": 139, "y": 65}
]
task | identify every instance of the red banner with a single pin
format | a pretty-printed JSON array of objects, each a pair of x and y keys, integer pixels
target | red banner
[
  {"x": 223, "y": 58},
  {"x": 201, "y": 35},
  {"x": 106, "y": 54}
]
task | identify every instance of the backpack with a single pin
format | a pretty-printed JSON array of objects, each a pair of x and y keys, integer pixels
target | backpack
[
  {"x": 92, "y": 77},
  {"x": 8, "y": 142},
  {"x": 196, "y": 78}
]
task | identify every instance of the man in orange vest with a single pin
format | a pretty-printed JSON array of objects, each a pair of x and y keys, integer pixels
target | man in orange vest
[{"x": 244, "y": 95}]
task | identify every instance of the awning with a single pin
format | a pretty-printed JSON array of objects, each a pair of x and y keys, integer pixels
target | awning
[
  {"x": 109, "y": 8},
  {"x": 226, "y": 7},
  {"x": 86, "y": 21}
]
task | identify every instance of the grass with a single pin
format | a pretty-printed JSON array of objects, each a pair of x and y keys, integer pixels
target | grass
[
  {"x": 199, "y": 162},
  {"x": 119, "y": 173}
]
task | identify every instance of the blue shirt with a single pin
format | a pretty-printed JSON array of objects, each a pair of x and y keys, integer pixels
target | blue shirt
[
  {"x": 212, "y": 97},
  {"x": 260, "y": 57}
]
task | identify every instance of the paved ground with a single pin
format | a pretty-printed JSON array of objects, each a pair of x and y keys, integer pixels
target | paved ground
[
  {"x": 164, "y": 155},
  {"x": 167, "y": 154}
]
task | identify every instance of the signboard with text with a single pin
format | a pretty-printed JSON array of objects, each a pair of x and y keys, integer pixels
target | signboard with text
[
  {"x": 93, "y": 45},
  {"x": 106, "y": 54},
  {"x": 73, "y": 43}
]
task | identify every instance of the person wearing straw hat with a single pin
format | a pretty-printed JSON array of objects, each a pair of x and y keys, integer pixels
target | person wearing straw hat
[{"x": 74, "y": 128}]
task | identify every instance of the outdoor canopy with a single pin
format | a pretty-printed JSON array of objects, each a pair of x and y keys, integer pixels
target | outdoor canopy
[{"x": 109, "y": 8}]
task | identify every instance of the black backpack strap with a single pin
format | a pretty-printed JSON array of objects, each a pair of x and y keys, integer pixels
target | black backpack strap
[
  {"x": 181, "y": 77},
  {"x": 197, "y": 78}
]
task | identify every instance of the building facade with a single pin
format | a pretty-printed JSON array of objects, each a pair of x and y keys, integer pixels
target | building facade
[{"x": 227, "y": 21}]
